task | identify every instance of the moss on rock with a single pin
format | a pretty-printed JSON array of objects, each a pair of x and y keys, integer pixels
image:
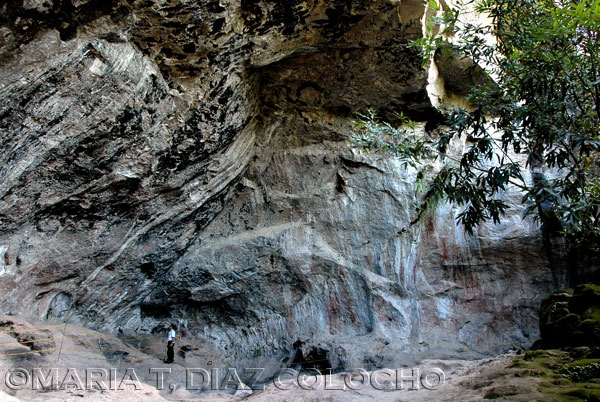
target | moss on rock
[
  {"x": 582, "y": 370},
  {"x": 571, "y": 318},
  {"x": 584, "y": 297},
  {"x": 563, "y": 379}
]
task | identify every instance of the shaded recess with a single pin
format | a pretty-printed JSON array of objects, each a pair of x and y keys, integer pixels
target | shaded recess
[
  {"x": 347, "y": 81},
  {"x": 348, "y": 57},
  {"x": 315, "y": 358}
]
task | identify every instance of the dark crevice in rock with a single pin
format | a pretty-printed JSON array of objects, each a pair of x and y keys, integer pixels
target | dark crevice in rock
[
  {"x": 148, "y": 269},
  {"x": 315, "y": 358},
  {"x": 340, "y": 183},
  {"x": 358, "y": 164}
]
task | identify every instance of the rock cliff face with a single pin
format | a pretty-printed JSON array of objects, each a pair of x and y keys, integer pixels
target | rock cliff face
[{"x": 189, "y": 161}]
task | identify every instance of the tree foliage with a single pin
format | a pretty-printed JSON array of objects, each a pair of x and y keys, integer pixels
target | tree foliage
[{"x": 541, "y": 105}]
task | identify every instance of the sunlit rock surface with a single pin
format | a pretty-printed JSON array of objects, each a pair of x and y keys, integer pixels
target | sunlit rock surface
[{"x": 189, "y": 162}]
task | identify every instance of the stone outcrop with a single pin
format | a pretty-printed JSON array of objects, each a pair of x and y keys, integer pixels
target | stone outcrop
[{"x": 189, "y": 162}]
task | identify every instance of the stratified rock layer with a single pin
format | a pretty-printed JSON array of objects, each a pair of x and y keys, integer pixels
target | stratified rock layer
[{"x": 189, "y": 162}]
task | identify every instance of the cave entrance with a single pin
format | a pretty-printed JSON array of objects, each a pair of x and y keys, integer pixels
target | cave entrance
[{"x": 310, "y": 359}]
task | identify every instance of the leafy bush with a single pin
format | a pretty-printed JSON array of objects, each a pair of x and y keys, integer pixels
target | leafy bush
[{"x": 581, "y": 371}]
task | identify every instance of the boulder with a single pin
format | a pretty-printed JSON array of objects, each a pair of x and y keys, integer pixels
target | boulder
[{"x": 571, "y": 318}]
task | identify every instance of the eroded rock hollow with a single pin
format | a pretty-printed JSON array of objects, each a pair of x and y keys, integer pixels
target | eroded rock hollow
[{"x": 189, "y": 161}]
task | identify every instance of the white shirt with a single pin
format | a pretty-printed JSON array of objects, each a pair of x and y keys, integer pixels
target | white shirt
[{"x": 171, "y": 335}]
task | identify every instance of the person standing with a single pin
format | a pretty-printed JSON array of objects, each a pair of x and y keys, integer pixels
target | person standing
[{"x": 171, "y": 344}]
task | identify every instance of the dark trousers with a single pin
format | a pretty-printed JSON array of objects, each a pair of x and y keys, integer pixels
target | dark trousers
[{"x": 170, "y": 351}]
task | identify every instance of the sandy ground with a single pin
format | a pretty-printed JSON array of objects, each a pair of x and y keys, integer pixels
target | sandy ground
[{"x": 69, "y": 359}]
